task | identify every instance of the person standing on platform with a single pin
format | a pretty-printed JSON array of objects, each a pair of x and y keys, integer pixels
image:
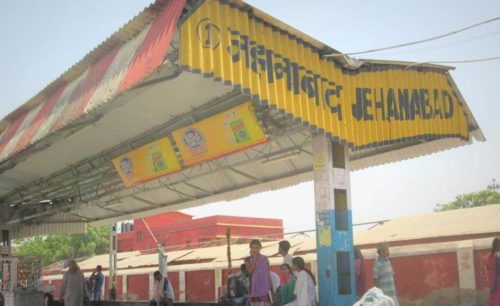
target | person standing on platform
[
  {"x": 360, "y": 272},
  {"x": 493, "y": 266},
  {"x": 163, "y": 293},
  {"x": 286, "y": 273},
  {"x": 305, "y": 290},
  {"x": 283, "y": 249},
  {"x": 383, "y": 274},
  {"x": 73, "y": 289},
  {"x": 275, "y": 280},
  {"x": 286, "y": 292},
  {"x": 98, "y": 279},
  {"x": 258, "y": 268}
]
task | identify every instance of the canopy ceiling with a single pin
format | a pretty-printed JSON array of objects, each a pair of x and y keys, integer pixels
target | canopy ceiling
[{"x": 56, "y": 170}]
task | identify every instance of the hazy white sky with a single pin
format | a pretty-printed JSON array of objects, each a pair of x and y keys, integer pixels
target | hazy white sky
[{"x": 39, "y": 40}]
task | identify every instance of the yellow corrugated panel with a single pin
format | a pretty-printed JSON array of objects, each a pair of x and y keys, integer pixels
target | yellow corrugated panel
[{"x": 371, "y": 106}]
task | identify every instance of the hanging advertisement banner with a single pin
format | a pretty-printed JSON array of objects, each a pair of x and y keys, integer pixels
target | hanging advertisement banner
[
  {"x": 147, "y": 162},
  {"x": 228, "y": 132}
]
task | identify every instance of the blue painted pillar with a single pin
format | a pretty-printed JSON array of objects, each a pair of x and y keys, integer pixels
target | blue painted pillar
[{"x": 336, "y": 278}]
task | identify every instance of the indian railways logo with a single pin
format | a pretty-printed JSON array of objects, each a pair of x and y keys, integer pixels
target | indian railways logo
[
  {"x": 194, "y": 140},
  {"x": 208, "y": 33}
]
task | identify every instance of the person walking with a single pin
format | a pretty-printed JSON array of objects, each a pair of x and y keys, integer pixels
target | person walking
[
  {"x": 73, "y": 289},
  {"x": 493, "y": 266}
]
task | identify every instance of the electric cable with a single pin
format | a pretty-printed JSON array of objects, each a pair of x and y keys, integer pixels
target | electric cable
[
  {"x": 183, "y": 246},
  {"x": 433, "y": 48},
  {"x": 415, "y": 42},
  {"x": 486, "y": 59}
]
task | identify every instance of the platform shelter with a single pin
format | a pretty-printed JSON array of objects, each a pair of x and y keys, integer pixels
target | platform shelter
[{"x": 193, "y": 102}]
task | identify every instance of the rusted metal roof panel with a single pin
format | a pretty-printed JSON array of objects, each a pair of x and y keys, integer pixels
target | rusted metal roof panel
[
  {"x": 108, "y": 87},
  {"x": 11, "y": 131},
  {"x": 85, "y": 90},
  {"x": 49, "y": 122},
  {"x": 115, "y": 66},
  {"x": 152, "y": 51},
  {"x": 42, "y": 114},
  {"x": 24, "y": 126},
  {"x": 123, "y": 35}
]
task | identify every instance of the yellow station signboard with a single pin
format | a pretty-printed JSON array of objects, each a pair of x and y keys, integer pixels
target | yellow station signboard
[
  {"x": 228, "y": 132},
  {"x": 371, "y": 106},
  {"x": 147, "y": 162}
]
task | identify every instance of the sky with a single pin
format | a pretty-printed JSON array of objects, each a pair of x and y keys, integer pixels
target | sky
[{"x": 39, "y": 40}]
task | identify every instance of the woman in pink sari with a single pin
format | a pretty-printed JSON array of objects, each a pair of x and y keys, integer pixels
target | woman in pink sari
[
  {"x": 260, "y": 286},
  {"x": 493, "y": 265},
  {"x": 360, "y": 272}
]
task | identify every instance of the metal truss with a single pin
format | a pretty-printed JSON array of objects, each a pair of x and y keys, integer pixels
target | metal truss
[{"x": 94, "y": 181}]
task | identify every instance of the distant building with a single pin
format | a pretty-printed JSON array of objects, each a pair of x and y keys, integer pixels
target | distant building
[
  {"x": 177, "y": 231},
  {"x": 439, "y": 259}
]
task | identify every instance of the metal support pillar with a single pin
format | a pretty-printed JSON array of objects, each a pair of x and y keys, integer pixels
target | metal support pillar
[
  {"x": 5, "y": 243},
  {"x": 162, "y": 261},
  {"x": 113, "y": 258},
  {"x": 334, "y": 236}
]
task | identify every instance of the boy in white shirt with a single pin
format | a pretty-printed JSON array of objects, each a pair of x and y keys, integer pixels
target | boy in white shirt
[{"x": 283, "y": 248}]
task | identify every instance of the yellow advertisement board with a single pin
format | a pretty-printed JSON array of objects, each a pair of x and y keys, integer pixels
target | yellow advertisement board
[
  {"x": 228, "y": 132},
  {"x": 147, "y": 162},
  {"x": 374, "y": 105}
]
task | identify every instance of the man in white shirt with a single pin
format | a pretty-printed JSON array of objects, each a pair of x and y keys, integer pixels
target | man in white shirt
[
  {"x": 283, "y": 248},
  {"x": 163, "y": 294},
  {"x": 275, "y": 280}
]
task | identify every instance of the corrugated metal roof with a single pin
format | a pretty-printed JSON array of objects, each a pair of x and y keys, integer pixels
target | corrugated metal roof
[
  {"x": 289, "y": 75},
  {"x": 121, "y": 39},
  {"x": 59, "y": 222},
  {"x": 366, "y": 158},
  {"x": 121, "y": 36},
  {"x": 403, "y": 251},
  {"x": 113, "y": 67},
  {"x": 371, "y": 253},
  {"x": 446, "y": 225},
  {"x": 207, "y": 181},
  {"x": 103, "y": 260},
  {"x": 97, "y": 79},
  {"x": 460, "y": 222},
  {"x": 164, "y": 14},
  {"x": 146, "y": 111}
]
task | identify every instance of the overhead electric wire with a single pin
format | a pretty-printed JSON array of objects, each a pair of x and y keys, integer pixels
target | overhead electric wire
[
  {"x": 486, "y": 59},
  {"x": 191, "y": 246},
  {"x": 416, "y": 42},
  {"x": 442, "y": 45}
]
